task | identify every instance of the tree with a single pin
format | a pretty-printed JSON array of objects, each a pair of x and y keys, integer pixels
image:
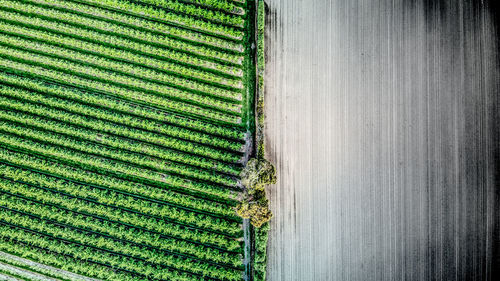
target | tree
[
  {"x": 257, "y": 174},
  {"x": 257, "y": 211}
]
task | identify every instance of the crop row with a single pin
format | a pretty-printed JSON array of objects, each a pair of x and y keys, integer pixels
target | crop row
[
  {"x": 146, "y": 151},
  {"x": 136, "y": 123},
  {"x": 184, "y": 81},
  {"x": 166, "y": 50},
  {"x": 159, "y": 90},
  {"x": 193, "y": 10},
  {"x": 122, "y": 232},
  {"x": 114, "y": 104},
  {"x": 107, "y": 24},
  {"x": 120, "y": 118},
  {"x": 127, "y": 217},
  {"x": 102, "y": 129},
  {"x": 132, "y": 71},
  {"x": 82, "y": 227},
  {"x": 78, "y": 175},
  {"x": 8, "y": 233},
  {"x": 105, "y": 49},
  {"x": 132, "y": 159},
  {"x": 114, "y": 198},
  {"x": 68, "y": 263},
  {"x": 122, "y": 247},
  {"x": 223, "y": 5},
  {"x": 168, "y": 17},
  {"x": 159, "y": 259},
  {"x": 151, "y": 222},
  {"x": 128, "y": 94},
  {"x": 192, "y": 242},
  {"x": 34, "y": 267},
  {"x": 113, "y": 167},
  {"x": 14, "y": 123}
]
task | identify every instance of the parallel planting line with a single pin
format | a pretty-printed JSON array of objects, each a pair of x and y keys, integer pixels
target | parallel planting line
[
  {"x": 172, "y": 231},
  {"x": 173, "y": 262},
  {"x": 119, "y": 118},
  {"x": 213, "y": 15},
  {"x": 71, "y": 45},
  {"x": 169, "y": 246},
  {"x": 112, "y": 90},
  {"x": 121, "y": 24},
  {"x": 162, "y": 192},
  {"x": 176, "y": 200},
  {"x": 122, "y": 41},
  {"x": 102, "y": 129},
  {"x": 166, "y": 213},
  {"x": 113, "y": 104},
  {"x": 128, "y": 82},
  {"x": 178, "y": 76}
]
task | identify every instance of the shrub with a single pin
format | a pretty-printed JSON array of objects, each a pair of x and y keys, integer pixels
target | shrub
[
  {"x": 257, "y": 211},
  {"x": 257, "y": 174}
]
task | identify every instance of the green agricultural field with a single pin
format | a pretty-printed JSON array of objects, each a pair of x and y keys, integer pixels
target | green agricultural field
[{"x": 124, "y": 128}]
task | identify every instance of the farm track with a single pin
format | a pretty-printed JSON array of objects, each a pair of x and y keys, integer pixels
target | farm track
[
  {"x": 23, "y": 274},
  {"x": 383, "y": 120},
  {"x": 41, "y": 268}
]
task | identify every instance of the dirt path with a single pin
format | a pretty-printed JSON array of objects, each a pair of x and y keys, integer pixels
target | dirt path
[
  {"x": 24, "y": 273},
  {"x": 4, "y": 277},
  {"x": 380, "y": 118},
  {"x": 22, "y": 262}
]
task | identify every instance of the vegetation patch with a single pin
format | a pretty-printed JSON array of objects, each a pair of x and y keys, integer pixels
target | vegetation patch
[{"x": 124, "y": 126}]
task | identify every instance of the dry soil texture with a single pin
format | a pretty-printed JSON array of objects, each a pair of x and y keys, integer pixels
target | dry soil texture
[{"x": 382, "y": 119}]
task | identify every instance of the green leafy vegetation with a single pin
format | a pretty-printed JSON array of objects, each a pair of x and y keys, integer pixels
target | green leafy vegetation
[
  {"x": 123, "y": 129},
  {"x": 264, "y": 173}
]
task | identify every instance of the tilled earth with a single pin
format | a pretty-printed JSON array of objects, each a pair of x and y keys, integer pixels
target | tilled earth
[{"x": 383, "y": 121}]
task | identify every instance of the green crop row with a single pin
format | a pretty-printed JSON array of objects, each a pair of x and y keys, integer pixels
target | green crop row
[
  {"x": 66, "y": 263},
  {"x": 223, "y": 5},
  {"x": 112, "y": 197},
  {"x": 122, "y": 106},
  {"x": 32, "y": 267},
  {"x": 120, "y": 118},
  {"x": 109, "y": 166},
  {"x": 133, "y": 159},
  {"x": 77, "y": 205},
  {"x": 193, "y": 10},
  {"x": 168, "y": 17},
  {"x": 157, "y": 77},
  {"x": 80, "y": 252},
  {"x": 128, "y": 94},
  {"x": 165, "y": 51},
  {"x": 115, "y": 184},
  {"x": 122, "y": 231},
  {"x": 134, "y": 135},
  {"x": 260, "y": 260},
  {"x": 156, "y": 258},
  {"x": 111, "y": 22},
  {"x": 140, "y": 71},
  {"x": 159, "y": 90},
  {"x": 100, "y": 138}
]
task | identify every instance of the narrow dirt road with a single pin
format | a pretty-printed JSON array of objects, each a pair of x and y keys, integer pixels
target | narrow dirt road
[{"x": 382, "y": 119}]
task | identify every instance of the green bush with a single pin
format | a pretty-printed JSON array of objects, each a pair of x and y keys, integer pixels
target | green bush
[
  {"x": 257, "y": 174},
  {"x": 257, "y": 211}
]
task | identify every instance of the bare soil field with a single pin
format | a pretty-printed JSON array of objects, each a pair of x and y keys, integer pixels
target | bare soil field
[{"x": 382, "y": 119}]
